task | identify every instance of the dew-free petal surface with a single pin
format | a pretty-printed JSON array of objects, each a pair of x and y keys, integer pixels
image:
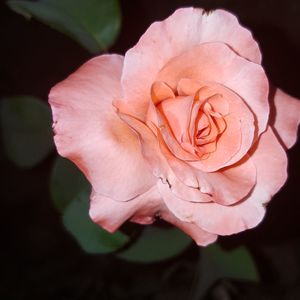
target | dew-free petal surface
[
  {"x": 89, "y": 132},
  {"x": 286, "y": 117},
  {"x": 270, "y": 160},
  {"x": 200, "y": 236},
  {"x": 186, "y": 28},
  {"x": 111, "y": 214},
  {"x": 226, "y": 220},
  {"x": 213, "y": 217},
  {"x": 218, "y": 64}
]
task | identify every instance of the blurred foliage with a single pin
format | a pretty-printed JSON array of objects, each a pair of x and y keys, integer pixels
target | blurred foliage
[
  {"x": 94, "y": 24},
  {"x": 70, "y": 194},
  {"x": 92, "y": 238},
  {"x": 156, "y": 244},
  {"x": 215, "y": 264},
  {"x": 236, "y": 264},
  {"x": 26, "y": 130},
  {"x": 66, "y": 183}
]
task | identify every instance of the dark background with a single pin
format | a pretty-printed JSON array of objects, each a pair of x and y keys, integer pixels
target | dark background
[{"x": 39, "y": 260}]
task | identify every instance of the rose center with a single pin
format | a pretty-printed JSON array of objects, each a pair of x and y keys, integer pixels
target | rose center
[{"x": 193, "y": 122}]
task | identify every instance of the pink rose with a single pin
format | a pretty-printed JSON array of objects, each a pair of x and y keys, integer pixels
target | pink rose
[{"x": 180, "y": 128}]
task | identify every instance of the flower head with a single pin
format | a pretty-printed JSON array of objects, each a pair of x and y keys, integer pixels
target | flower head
[{"x": 181, "y": 128}]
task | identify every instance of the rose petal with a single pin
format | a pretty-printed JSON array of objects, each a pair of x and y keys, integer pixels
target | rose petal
[
  {"x": 285, "y": 117},
  {"x": 184, "y": 172},
  {"x": 89, "y": 132},
  {"x": 172, "y": 143},
  {"x": 270, "y": 160},
  {"x": 227, "y": 186},
  {"x": 237, "y": 137},
  {"x": 161, "y": 91},
  {"x": 231, "y": 184},
  {"x": 224, "y": 67},
  {"x": 184, "y": 192},
  {"x": 213, "y": 217},
  {"x": 150, "y": 146},
  {"x": 228, "y": 145},
  {"x": 111, "y": 214},
  {"x": 200, "y": 236},
  {"x": 225, "y": 220},
  {"x": 178, "y": 113},
  {"x": 186, "y": 28}
]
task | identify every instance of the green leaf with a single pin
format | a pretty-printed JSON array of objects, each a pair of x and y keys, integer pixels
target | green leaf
[
  {"x": 26, "y": 130},
  {"x": 66, "y": 183},
  {"x": 94, "y": 24},
  {"x": 156, "y": 244},
  {"x": 237, "y": 264},
  {"x": 215, "y": 264},
  {"x": 70, "y": 193},
  {"x": 90, "y": 236}
]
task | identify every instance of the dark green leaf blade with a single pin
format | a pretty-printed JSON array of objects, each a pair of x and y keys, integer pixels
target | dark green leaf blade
[
  {"x": 94, "y": 24},
  {"x": 66, "y": 183},
  {"x": 156, "y": 244},
  {"x": 90, "y": 236},
  {"x": 236, "y": 264},
  {"x": 216, "y": 263},
  {"x": 26, "y": 130},
  {"x": 70, "y": 193}
]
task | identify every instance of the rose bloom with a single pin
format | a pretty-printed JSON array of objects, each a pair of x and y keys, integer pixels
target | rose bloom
[{"x": 183, "y": 128}]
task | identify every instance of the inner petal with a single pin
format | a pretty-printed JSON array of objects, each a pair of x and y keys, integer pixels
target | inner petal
[
  {"x": 203, "y": 126},
  {"x": 210, "y": 126},
  {"x": 226, "y": 68},
  {"x": 161, "y": 91},
  {"x": 178, "y": 113}
]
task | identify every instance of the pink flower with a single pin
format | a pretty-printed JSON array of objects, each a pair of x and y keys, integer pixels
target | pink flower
[{"x": 183, "y": 128}]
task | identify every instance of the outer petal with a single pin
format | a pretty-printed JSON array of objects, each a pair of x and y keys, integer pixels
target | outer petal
[
  {"x": 200, "y": 236},
  {"x": 271, "y": 162},
  {"x": 111, "y": 214},
  {"x": 285, "y": 117},
  {"x": 186, "y": 28},
  {"x": 149, "y": 145},
  {"x": 89, "y": 132},
  {"x": 213, "y": 217},
  {"x": 227, "y": 186},
  {"x": 226, "y": 220}
]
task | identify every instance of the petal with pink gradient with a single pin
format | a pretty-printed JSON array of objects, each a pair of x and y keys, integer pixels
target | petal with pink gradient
[
  {"x": 111, "y": 214},
  {"x": 200, "y": 236},
  {"x": 213, "y": 217},
  {"x": 271, "y": 162},
  {"x": 285, "y": 117},
  {"x": 186, "y": 28},
  {"x": 161, "y": 91},
  {"x": 89, "y": 132},
  {"x": 177, "y": 113},
  {"x": 149, "y": 146},
  {"x": 226, "y": 187},
  {"x": 232, "y": 115},
  {"x": 226, "y": 220},
  {"x": 224, "y": 68}
]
